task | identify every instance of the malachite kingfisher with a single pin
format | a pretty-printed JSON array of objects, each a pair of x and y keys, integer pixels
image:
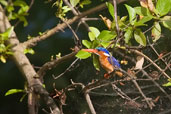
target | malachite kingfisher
[{"x": 107, "y": 61}]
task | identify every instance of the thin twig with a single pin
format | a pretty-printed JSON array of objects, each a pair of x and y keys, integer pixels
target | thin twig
[
  {"x": 151, "y": 79},
  {"x": 116, "y": 17},
  {"x": 139, "y": 53},
  {"x": 76, "y": 13},
  {"x": 78, "y": 42},
  {"x": 71, "y": 65},
  {"x": 150, "y": 104},
  {"x": 87, "y": 97},
  {"x": 151, "y": 63},
  {"x": 157, "y": 85},
  {"x": 32, "y": 42},
  {"x": 157, "y": 53},
  {"x": 120, "y": 92},
  {"x": 49, "y": 65}
]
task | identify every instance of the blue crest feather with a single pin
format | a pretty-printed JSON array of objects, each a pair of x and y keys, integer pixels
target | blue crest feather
[{"x": 103, "y": 49}]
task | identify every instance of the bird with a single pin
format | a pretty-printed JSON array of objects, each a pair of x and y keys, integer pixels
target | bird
[{"x": 107, "y": 61}]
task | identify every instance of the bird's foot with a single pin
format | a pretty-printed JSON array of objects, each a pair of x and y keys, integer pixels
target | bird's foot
[
  {"x": 120, "y": 74},
  {"x": 107, "y": 76}
]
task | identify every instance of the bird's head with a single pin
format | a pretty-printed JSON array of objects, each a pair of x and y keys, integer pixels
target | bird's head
[{"x": 98, "y": 51}]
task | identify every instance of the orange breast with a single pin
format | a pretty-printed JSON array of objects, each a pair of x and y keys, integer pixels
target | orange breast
[{"x": 105, "y": 64}]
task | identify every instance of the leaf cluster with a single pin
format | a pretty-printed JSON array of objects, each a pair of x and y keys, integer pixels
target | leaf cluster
[
  {"x": 5, "y": 50},
  {"x": 130, "y": 28},
  {"x": 16, "y": 10}
]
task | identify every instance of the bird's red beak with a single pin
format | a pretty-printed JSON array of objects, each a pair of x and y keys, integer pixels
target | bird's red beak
[{"x": 90, "y": 50}]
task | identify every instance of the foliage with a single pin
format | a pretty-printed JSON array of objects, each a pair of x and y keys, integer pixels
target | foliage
[
  {"x": 138, "y": 17},
  {"x": 13, "y": 91},
  {"x": 62, "y": 10},
  {"x": 81, "y": 3},
  {"x": 5, "y": 50},
  {"x": 16, "y": 10},
  {"x": 29, "y": 50},
  {"x": 168, "y": 83}
]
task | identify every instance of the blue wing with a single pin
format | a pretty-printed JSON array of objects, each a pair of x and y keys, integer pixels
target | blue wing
[{"x": 114, "y": 62}]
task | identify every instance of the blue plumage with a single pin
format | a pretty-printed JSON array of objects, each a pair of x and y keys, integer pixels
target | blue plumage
[
  {"x": 113, "y": 61},
  {"x": 103, "y": 49}
]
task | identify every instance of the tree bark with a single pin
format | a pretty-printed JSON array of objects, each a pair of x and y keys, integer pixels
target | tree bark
[{"x": 34, "y": 84}]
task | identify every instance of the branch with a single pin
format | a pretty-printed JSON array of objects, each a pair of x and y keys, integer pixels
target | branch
[
  {"x": 62, "y": 26},
  {"x": 139, "y": 53},
  {"x": 71, "y": 65},
  {"x": 76, "y": 13},
  {"x": 152, "y": 47},
  {"x": 87, "y": 97},
  {"x": 127, "y": 57},
  {"x": 116, "y": 16},
  {"x": 24, "y": 65},
  {"x": 49, "y": 65}
]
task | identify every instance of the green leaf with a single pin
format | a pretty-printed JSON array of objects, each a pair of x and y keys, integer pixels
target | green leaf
[
  {"x": 66, "y": 9},
  {"x": 74, "y": 2},
  {"x": 143, "y": 12},
  {"x": 23, "y": 19},
  {"x": 140, "y": 37},
  {"x": 20, "y": 3},
  {"x": 163, "y": 7},
  {"x": 13, "y": 91},
  {"x": 2, "y": 58},
  {"x": 123, "y": 19},
  {"x": 29, "y": 50},
  {"x": 94, "y": 33},
  {"x": 9, "y": 53},
  {"x": 105, "y": 37},
  {"x": 84, "y": 2},
  {"x": 166, "y": 21},
  {"x": 95, "y": 44},
  {"x": 110, "y": 8},
  {"x": 82, "y": 54},
  {"x": 4, "y": 2},
  {"x": 23, "y": 10},
  {"x": 128, "y": 34},
  {"x": 24, "y": 95},
  {"x": 7, "y": 33},
  {"x": 10, "y": 8},
  {"x": 96, "y": 62},
  {"x": 132, "y": 13},
  {"x": 167, "y": 84},
  {"x": 156, "y": 31},
  {"x": 2, "y": 48},
  {"x": 86, "y": 43},
  {"x": 142, "y": 21}
]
